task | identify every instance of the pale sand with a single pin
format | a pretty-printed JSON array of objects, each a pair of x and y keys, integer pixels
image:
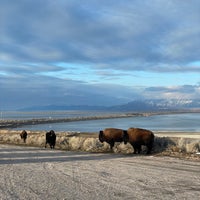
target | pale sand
[
  {"x": 180, "y": 134},
  {"x": 38, "y": 173}
]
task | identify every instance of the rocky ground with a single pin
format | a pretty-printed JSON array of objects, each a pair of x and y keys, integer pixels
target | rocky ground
[
  {"x": 83, "y": 168},
  {"x": 39, "y": 173}
]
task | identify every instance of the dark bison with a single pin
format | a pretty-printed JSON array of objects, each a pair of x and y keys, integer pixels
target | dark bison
[
  {"x": 138, "y": 137},
  {"x": 111, "y": 135},
  {"x": 23, "y": 135},
  {"x": 50, "y": 139}
]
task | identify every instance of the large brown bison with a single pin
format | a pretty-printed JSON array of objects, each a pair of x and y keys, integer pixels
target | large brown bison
[
  {"x": 111, "y": 135},
  {"x": 23, "y": 135},
  {"x": 50, "y": 139},
  {"x": 138, "y": 137}
]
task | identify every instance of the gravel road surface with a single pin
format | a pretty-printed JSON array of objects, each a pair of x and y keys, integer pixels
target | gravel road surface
[{"x": 36, "y": 173}]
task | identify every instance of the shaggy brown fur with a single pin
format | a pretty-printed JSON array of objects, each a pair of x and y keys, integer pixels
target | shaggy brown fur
[
  {"x": 23, "y": 135},
  {"x": 111, "y": 135},
  {"x": 138, "y": 137},
  {"x": 50, "y": 139}
]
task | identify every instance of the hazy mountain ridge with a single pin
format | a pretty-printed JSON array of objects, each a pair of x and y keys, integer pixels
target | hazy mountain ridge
[
  {"x": 136, "y": 105},
  {"x": 159, "y": 105}
]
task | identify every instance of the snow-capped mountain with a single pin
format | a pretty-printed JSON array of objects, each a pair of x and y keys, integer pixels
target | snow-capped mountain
[
  {"x": 135, "y": 106},
  {"x": 159, "y": 104}
]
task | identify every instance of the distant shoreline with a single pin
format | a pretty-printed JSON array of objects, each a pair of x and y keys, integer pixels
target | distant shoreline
[
  {"x": 9, "y": 123},
  {"x": 22, "y": 122}
]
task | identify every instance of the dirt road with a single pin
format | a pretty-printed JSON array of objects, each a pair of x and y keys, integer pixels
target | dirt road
[{"x": 35, "y": 173}]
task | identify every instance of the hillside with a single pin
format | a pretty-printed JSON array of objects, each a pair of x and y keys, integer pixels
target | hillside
[{"x": 144, "y": 105}]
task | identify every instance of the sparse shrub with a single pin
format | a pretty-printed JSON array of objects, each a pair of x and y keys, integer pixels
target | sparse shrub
[
  {"x": 193, "y": 147},
  {"x": 90, "y": 144},
  {"x": 123, "y": 148},
  {"x": 76, "y": 141}
]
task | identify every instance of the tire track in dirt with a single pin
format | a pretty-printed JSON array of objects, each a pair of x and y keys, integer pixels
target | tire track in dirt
[{"x": 34, "y": 173}]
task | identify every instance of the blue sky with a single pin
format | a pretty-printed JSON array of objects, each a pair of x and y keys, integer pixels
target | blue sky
[{"x": 92, "y": 52}]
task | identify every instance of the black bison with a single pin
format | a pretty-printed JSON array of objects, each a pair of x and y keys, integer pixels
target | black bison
[
  {"x": 111, "y": 135},
  {"x": 138, "y": 137},
  {"x": 50, "y": 139},
  {"x": 23, "y": 135}
]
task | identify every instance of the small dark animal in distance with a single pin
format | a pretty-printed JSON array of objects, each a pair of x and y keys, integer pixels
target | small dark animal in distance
[
  {"x": 50, "y": 139},
  {"x": 23, "y": 135}
]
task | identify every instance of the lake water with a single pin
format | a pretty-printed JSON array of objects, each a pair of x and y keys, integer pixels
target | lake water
[{"x": 170, "y": 122}]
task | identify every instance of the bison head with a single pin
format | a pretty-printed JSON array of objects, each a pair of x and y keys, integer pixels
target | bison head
[
  {"x": 101, "y": 136},
  {"x": 125, "y": 137}
]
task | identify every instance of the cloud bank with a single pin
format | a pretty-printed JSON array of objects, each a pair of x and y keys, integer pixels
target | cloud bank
[{"x": 98, "y": 52}]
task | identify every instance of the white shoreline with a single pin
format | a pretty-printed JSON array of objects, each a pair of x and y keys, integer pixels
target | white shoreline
[{"x": 181, "y": 134}]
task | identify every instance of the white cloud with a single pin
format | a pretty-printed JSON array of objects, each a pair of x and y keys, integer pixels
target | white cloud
[{"x": 113, "y": 40}]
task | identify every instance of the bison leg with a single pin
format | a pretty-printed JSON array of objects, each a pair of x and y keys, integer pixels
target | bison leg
[
  {"x": 134, "y": 148},
  {"x": 149, "y": 149},
  {"x": 112, "y": 143},
  {"x": 139, "y": 148},
  {"x": 150, "y": 146},
  {"x": 53, "y": 145}
]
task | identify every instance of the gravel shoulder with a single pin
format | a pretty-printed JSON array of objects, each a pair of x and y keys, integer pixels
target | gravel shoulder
[{"x": 38, "y": 173}]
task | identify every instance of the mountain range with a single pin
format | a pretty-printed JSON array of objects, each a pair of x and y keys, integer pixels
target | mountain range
[{"x": 133, "y": 106}]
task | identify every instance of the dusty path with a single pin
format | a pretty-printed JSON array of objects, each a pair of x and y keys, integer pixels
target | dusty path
[{"x": 35, "y": 173}]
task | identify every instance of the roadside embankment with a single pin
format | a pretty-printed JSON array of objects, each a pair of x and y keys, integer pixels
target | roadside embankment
[{"x": 89, "y": 142}]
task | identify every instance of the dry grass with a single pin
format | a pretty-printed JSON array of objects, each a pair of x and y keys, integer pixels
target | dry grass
[{"x": 89, "y": 142}]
